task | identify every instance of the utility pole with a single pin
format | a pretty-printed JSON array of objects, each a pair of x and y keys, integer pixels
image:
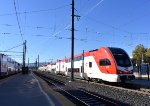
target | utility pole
[
  {"x": 83, "y": 62},
  {"x": 28, "y": 62},
  {"x": 24, "y": 68},
  {"x": 36, "y": 63},
  {"x": 72, "y": 43},
  {"x": 24, "y": 53},
  {"x": 38, "y": 60}
]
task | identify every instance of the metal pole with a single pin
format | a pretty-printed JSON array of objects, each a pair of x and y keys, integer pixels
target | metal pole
[
  {"x": 23, "y": 56},
  {"x": 72, "y": 43},
  {"x": 36, "y": 63},
  {"x": 28, "y": 62},
  {"x": 24, "y": 53},
  {"x": 83, "y": 63},
  {"x": 148, "y": 71},
  {"x": 38, "y": 60}
]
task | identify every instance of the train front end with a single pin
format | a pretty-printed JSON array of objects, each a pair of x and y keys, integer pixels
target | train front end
[{"x": 123, "y": 63}]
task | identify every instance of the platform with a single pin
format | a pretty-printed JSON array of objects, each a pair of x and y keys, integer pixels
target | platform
[
  {"x": 143, "y": 83},
  {"x": 23, "y": 90}
]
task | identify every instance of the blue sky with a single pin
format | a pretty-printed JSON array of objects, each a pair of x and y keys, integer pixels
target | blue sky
[{"x": 45, "y": 24}]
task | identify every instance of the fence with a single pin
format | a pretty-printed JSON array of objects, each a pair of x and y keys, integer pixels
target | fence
[{"x": 142, "y": 71}]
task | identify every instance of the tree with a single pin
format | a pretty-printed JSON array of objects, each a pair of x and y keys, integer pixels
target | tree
[
  {"x": 139, "y": 54},
  {"x": 147, "y": 55}
]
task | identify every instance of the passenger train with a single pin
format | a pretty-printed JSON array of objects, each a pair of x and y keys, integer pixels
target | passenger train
[
  {"x": 8, "y": 66},
  {"x": 106, "y": 63}
]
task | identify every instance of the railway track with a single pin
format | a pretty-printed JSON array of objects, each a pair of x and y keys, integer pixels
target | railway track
[
  {"x": 119, "y": 95},
  {"x": 78, "y": 96},
  {"x": 122, "y": 86}
]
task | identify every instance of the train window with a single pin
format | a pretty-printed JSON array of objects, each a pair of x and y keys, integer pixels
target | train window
[
  {"x": 76, "y": 69},
  {"x": 104, "y": 62},
  {"x": 90, "y": 64},
  {"x": 82, "y": 70},
  {"x": 121, "y": 57}
]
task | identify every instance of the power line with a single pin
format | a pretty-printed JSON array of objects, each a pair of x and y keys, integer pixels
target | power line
[
  {"x": 110, "y": 26},
  {"x": 34, "y": 27},
  {"x": 68, "y": 38},
  {"x": 81, "y": 17},
  {"x": 11, "y": 51},
  {"x": 15, "y": 55},
  {"x": 93, "y": 8},
  {"x": 18, "y": 21},
  {"x": 13, "y": 47},
  {"x": 35, "y": 11}
]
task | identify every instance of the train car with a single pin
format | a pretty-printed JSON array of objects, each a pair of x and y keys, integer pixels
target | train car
[
  {"x": 106, "y": 63},
  {"x": 8, "y": 66},
  {"x": 3, "y": 65},
  {"x": 53, "y": 67},
  {"x": 78, "y": 66},
  {"x": 49, "y": 67},
  {"x": 60, "y": 67},
  {"x": 43, "y": 68}
]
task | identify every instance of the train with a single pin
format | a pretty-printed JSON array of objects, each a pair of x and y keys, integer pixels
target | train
[
  {"x": 108, "y": 64},
  {"x": 8, "y": 66}
]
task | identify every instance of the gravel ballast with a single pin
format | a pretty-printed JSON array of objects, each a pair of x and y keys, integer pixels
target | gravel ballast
[{"x": 123, "y": 96}]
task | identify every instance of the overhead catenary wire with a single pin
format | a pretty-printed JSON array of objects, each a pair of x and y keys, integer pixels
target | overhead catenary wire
[
  {"x": 60, "y": 37},
  {"x": 34, "y": 27},
  {"x": 68, "y": 38},
  {"x": 91, "y": 9},
  {"x": 110, "y": 26},
  {"x": 18, "y": 21},
  {"x": 67, "y": 26},
  {"x": 13, "y": 47},
  {"x": 35, "y": 11},
  {"x": 56, "y": 33},
  {"x": 10, "y": 51},
  {"x": 15, "y": 55}
]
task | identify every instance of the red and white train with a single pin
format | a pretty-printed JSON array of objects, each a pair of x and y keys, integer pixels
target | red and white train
[
  {"x": 106, "y": 63},
  {"x": 8, "y": 66}
]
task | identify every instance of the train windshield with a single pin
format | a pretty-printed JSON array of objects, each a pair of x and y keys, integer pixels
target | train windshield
[{"x": 121, "y": 57}]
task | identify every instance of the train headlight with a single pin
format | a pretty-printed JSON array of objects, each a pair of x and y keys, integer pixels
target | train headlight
[
  {"x": 124, "y": 72},
  {"x": 119, "y": 72}
]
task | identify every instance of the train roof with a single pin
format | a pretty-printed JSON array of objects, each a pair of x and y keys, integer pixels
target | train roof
[{"x": 88, "y": 53}]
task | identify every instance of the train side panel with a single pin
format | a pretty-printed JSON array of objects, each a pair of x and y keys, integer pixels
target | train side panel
[
  {"x": 93, "y": 72},
  {"x": 4, "y": 65}
]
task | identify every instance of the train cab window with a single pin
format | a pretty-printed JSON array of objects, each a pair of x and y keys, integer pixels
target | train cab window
[
  {"x": 104, "y": 62},
  {"x": 90, "y": 64}
]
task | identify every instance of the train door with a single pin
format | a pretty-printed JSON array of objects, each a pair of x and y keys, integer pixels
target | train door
[
  {"x": 82, "y": 67},
  {"x": 89, "y": 67},
  {"x": 82, "y": 71}
]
